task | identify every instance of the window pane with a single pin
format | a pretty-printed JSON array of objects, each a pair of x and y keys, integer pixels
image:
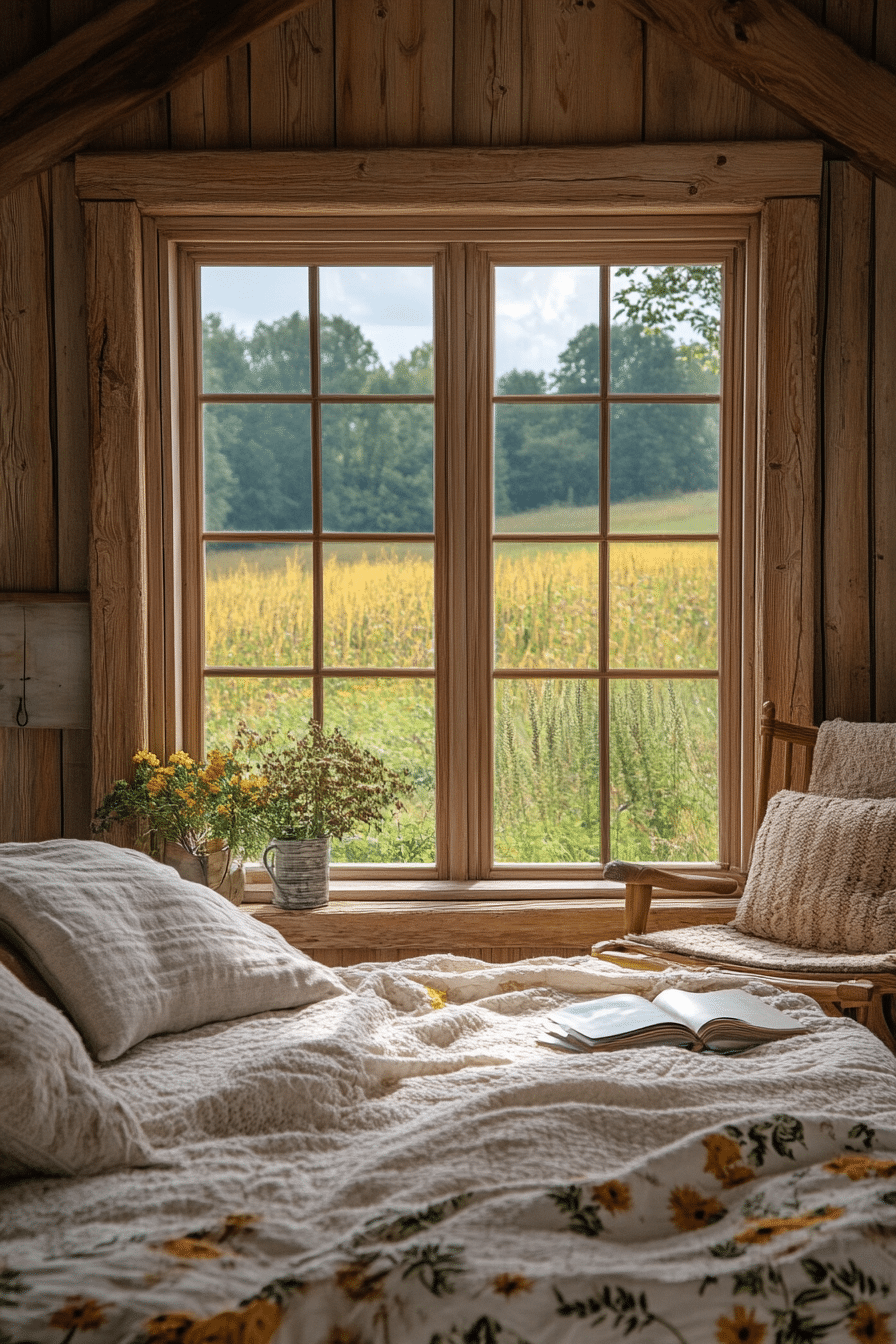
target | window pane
[
  {"x": 377, "y": 468},
  {"x": 257, "y": 605},
  {"x": 255, "y": 329},
  {"x": 547, "y": 333},
  {"x": 663, "y": 604},
  {"x": 545, "y": 605},
  {"x": 665, "y": 332},
  {"x": 378, "y": 605},
  {"x": 547, "y": 465},
  {"x": 376, "y": 329},
  {"x": 257, "y": 464},
  {"x": 547, "y": 786},
  {"x": 395, "y": 718},
  {"x": 664, "y": 770},
  {"x": 268, "y": 704},
  {"x": 661, "y": 453}
]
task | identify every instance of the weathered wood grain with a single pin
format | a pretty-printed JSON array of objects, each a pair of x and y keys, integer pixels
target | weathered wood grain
[
  {"x": 806, "y": 71},
  {"x": 845, "y": 375},
  {"x": 211, "y": 110},
  {"x": 788, "y": 461},
  {"x": 458, "y": 926},
  {"x": 393, "y": 72},
  {"x": 117, "y": 494},
  {"x": 293, "y": 83},
  {"x": 49, "y": 644},
  {"x": 884, "y": 415},
  {"x": 70, "y": 354},
  {"x": 457, "y": 180},
  {"x": 487, "y": 72},
  {"x": 27, "y": 509},
  {"x": 686, "y": 99},
  {"x": 582, "y": 73},
  {"x": 109, "y": 68},
  {"x": 29, "y": 768}
]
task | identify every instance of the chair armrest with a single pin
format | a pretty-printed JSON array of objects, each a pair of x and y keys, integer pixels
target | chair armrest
[{"x": 641, "y": 878}]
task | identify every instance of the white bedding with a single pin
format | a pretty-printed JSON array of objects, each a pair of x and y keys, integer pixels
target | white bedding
[{"x": 374, "y": 1169}]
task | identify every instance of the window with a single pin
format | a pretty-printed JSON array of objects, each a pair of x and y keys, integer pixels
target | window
[{"x": 478, "y": 504}]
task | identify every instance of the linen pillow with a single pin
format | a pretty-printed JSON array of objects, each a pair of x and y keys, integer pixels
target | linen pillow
[
  {"x": 854, "y": 760},
  {"x": 56, "y": 1114},
  {"x": 132, "y": 950},
  {"x": 823, "y": 874}
]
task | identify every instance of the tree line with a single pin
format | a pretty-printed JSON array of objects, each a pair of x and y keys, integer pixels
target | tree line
[{"x": 378, "y": 459}]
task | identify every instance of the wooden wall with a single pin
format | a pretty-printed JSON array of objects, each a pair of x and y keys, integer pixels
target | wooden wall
[{"x": 429, "y": 72}]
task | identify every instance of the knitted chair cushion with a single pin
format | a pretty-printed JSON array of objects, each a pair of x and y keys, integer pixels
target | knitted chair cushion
[{"x": 823, "y": 874}]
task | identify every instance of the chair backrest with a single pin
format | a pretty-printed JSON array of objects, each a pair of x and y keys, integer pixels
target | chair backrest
[{"x": 789, "y": 774}]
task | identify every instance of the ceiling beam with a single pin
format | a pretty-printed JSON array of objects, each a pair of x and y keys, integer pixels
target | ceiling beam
[
  {"x": 113, "y": 65},
  {"x": 773, "y": 49}
]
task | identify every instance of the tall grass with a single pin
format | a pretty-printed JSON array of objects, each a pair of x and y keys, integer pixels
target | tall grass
[{"x": 378, "y": 612}]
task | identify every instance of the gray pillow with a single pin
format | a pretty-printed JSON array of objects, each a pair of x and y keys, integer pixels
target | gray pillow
[
  {"x": 132, "y": 950},
  {"x": 57, "y": 1116},
  {"x": 823, "y": 874}
]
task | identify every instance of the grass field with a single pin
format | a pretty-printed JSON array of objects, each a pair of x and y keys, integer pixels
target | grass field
[{"x": 378, "y": 612}]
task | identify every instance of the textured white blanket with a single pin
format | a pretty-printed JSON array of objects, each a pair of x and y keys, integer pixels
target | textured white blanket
[{"x": 282, "y": 1137}]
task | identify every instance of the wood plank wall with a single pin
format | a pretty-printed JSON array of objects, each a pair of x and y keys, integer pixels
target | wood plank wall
[{"x": 429, "y": 72}]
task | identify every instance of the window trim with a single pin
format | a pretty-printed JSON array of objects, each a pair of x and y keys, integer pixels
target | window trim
[{"x": 138, "y": 679}]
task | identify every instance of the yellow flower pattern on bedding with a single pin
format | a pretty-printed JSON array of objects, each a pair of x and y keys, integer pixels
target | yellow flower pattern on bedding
[{"x": 780, "y": 1224}]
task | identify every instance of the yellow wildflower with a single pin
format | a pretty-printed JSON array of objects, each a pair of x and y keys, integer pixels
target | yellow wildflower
[
  {"x": 761, "y": 1230},
  {"x": 222, "y": 810},
  {"x": 614, "y": 1196},
  {"x": 508, "y": 1284},
  {"x": 860, "y": 1167},
  {"x": 869, "y": 1326},
  {"x": 690, "y": 1210},
  {"x": 723, "y": 1161},
  {"x": 260, "y": 1320},
  {"x": 168, "y": 1327},
  {"x": 148, "y": 757},
  {"x": 80, "y": 1313},
  {"x": 180, "y": 758},
  {"x": 742, "y": 1328},
  {"x": 156, "y": 784}
]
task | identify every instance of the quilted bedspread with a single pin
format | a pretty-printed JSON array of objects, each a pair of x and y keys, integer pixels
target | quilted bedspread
[{"x": 404, "y": 1165}]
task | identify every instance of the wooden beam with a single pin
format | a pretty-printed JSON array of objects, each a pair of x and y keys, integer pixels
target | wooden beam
[
  {"x": 803, "y": 69},
  {"x": 107, "y": 69},
  {"x": 384, "y": 181}
]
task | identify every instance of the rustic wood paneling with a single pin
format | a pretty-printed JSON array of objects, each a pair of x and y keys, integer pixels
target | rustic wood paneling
[
  {"x": 787, "y": 485},
  {"x": 118, "y": 512},
  {"x": 582, "y": 73},
  {"x": 293, "y": 83},
  {"x": 28, "y": 534},
  {"x": 884, "y": 414},
  {"x": 30, "y": 794},
  {"x": 845, "y": 377},
  {"x": 393, "y": 72},
  {"x": 211, "y": 110},
  {"x": 686, "y": 99},
  {"x": 488, "y": 58}
]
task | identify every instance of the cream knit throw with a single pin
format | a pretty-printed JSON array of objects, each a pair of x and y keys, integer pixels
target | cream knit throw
[
  {"x": 855, "y": 760},
  {"x": 823, "y": 874}
]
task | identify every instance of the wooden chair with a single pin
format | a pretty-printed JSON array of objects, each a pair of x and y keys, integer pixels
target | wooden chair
[{"x": 867, "y": 995}]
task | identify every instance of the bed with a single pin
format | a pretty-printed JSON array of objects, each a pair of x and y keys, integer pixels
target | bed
[{"x": 396, "y": 1160}]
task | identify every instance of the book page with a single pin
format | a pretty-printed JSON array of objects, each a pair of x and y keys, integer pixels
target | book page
[
  {"x": 616, "y": 1015},
  {"x": 697, "y": 1009}
]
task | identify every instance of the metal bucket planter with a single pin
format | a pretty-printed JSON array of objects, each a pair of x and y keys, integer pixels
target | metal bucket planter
[
  {"x": 217, "y": 869},
  {"x": 300, "y": 870}
]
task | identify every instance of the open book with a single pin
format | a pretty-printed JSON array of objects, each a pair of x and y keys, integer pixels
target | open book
[{"x": 725, "y": 1020}]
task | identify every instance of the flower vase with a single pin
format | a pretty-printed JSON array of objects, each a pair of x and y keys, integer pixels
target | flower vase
[
  {"x": 300, "y": 871},
  {"x": 217, "y": 869}
]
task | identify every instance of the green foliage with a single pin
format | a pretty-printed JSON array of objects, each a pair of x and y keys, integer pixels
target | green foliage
[
  {"x": 667, "y": 295},
  {"x": 323, "y": 785}
]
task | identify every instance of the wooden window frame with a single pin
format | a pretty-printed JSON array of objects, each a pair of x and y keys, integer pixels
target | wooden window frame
[{"x": 141, "y": 250}]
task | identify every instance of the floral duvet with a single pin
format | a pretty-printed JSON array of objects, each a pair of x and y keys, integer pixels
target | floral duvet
[{"x": 405, "y": 1164}]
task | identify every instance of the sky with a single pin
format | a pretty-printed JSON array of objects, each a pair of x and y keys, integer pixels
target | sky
[{"x": 538, "y": 309}]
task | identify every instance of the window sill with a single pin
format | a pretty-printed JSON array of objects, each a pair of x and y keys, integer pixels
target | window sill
[{"x": 558, "y": 920}]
